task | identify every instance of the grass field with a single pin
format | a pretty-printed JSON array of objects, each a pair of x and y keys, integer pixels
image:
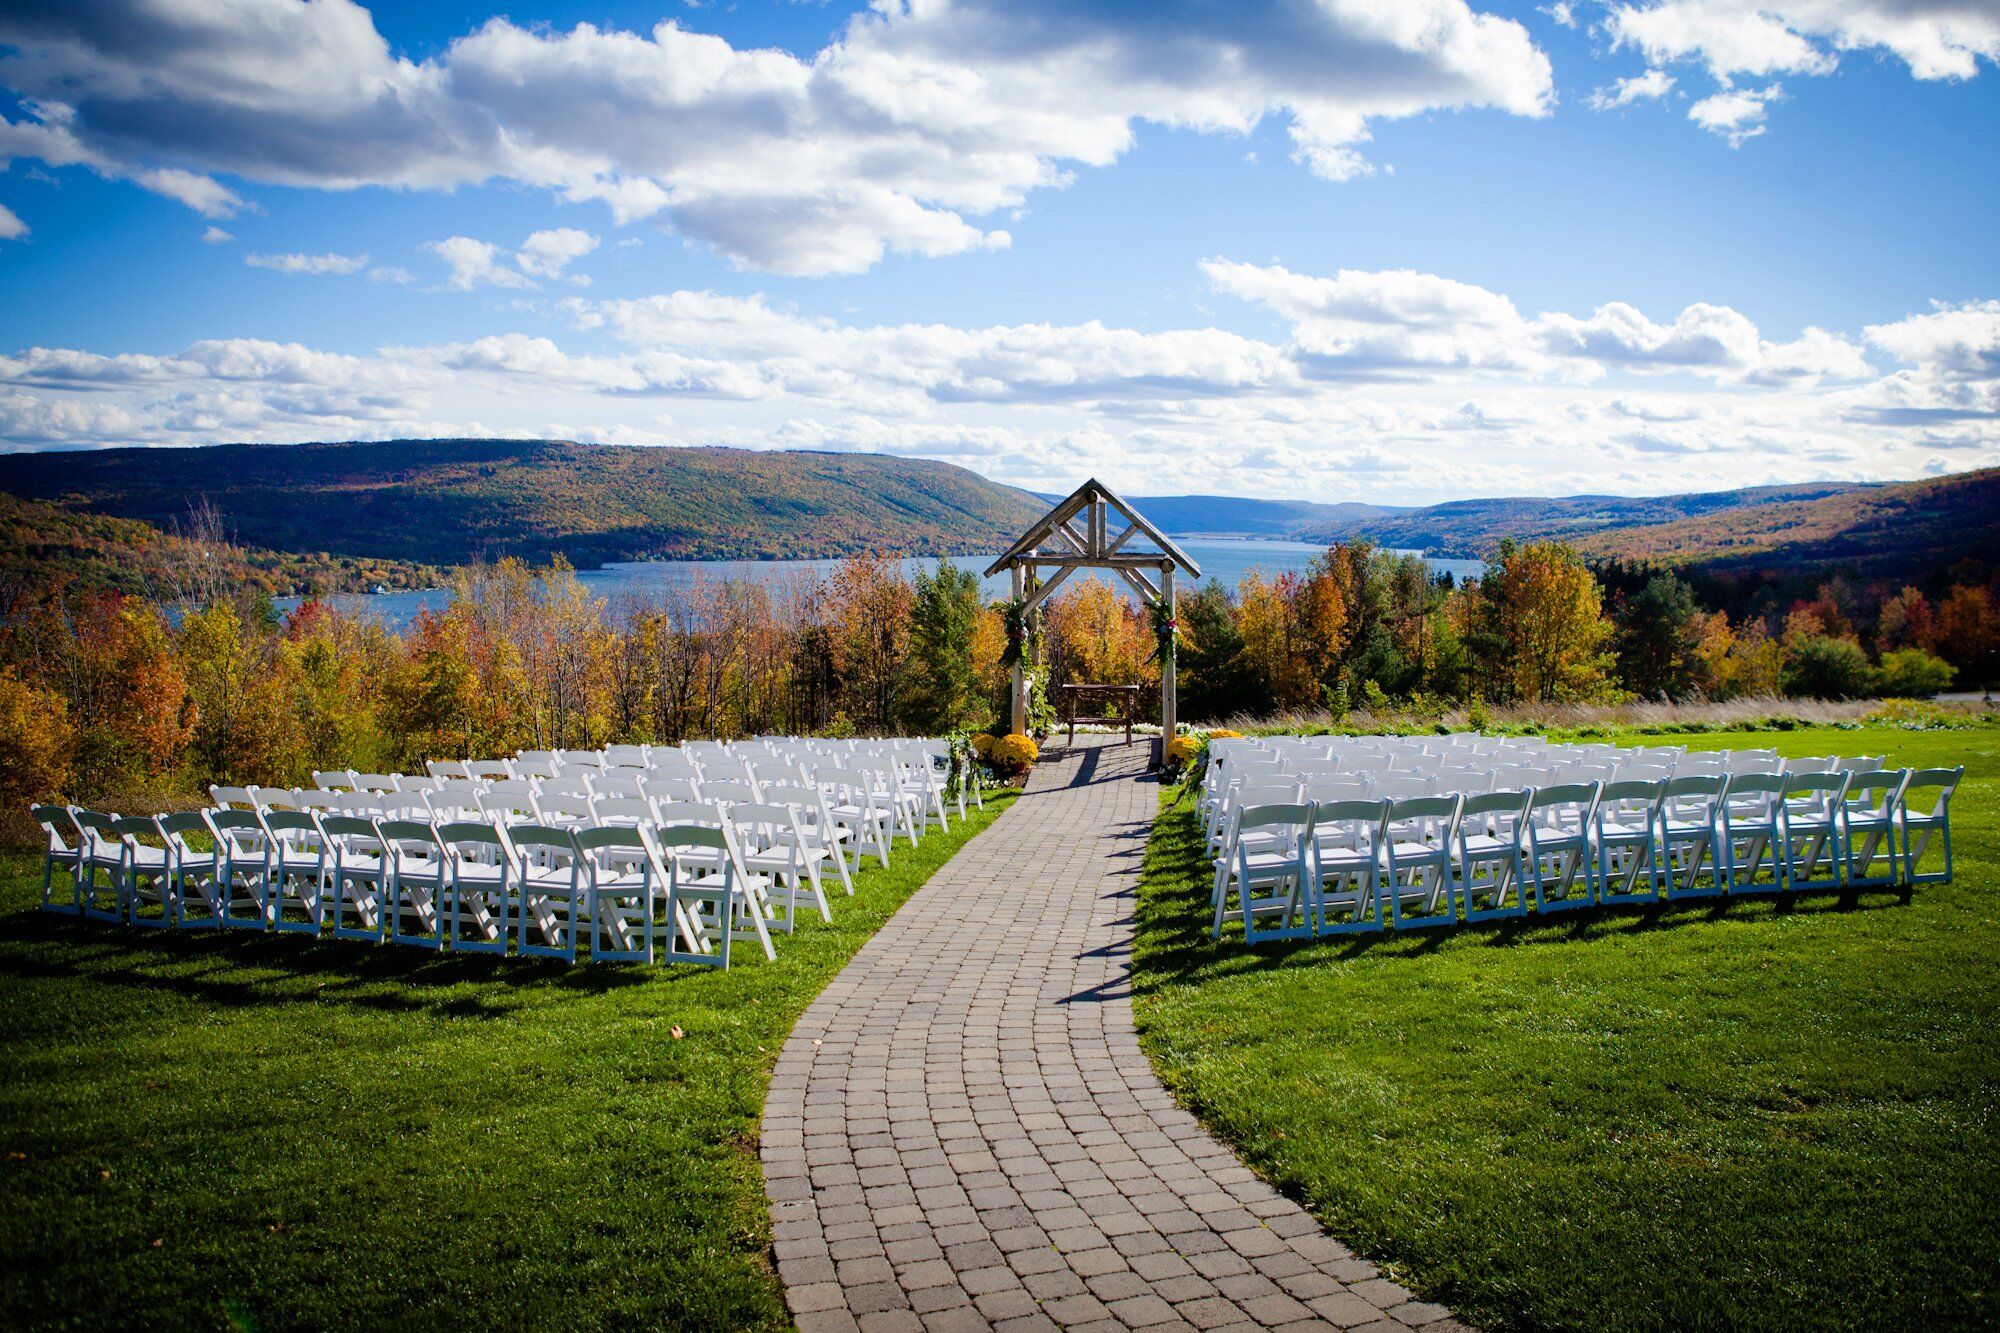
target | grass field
[
  {"x": 1739, "y": 1116},
  {"x": 203, "y": 1130}
]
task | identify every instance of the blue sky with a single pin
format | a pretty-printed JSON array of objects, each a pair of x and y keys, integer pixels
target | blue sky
[{"x": 1300, "y": 251}]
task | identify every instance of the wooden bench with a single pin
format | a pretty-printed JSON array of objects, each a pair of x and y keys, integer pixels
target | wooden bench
[{"x": 1075, "y": 695}]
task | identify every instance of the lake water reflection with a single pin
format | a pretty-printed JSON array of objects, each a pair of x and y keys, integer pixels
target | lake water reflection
[{"x": 1220, "y": 558}]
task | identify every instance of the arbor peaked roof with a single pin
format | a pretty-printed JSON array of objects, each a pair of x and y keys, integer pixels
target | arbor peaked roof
[{"x": 1093, "y": 546}]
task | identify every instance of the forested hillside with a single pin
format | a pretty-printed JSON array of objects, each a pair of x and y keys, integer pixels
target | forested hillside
[
  {"x": 450, "y": 501},
  {"x": 1473, "y": 528}
]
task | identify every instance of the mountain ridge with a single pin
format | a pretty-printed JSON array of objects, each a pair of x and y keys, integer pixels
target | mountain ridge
[{"x": 449, "y": 501}]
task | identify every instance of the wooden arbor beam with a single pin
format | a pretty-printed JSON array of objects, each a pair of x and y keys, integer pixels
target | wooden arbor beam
[{"x": 1055, "y": 542}]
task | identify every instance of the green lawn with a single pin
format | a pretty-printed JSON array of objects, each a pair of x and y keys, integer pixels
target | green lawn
[
  {"x": 1734, "y": 1116},
  {"x": 205, "y": 1129}
]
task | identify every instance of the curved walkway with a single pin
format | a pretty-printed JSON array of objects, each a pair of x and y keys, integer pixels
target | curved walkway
[{"x": 962, "y": 1131}]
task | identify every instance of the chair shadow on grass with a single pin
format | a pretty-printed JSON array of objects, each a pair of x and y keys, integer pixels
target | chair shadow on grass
[
  {"x": 227, "y": 968},
  {"x": 1171, "y": 928}
]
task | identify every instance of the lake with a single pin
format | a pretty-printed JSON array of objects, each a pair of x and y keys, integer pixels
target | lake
[{"x": 1226, "y": 559}]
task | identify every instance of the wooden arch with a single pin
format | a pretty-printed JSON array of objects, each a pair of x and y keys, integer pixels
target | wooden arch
[{"x": 1078, "y": 534}]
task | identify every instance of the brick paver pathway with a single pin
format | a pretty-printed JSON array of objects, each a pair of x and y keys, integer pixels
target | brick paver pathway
[{"x": 962, "y": 1131}]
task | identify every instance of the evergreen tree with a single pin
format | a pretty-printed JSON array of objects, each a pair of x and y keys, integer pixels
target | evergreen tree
[
  {"x": 941, "y": 686},
  {"x": 1659, "y": 630}
]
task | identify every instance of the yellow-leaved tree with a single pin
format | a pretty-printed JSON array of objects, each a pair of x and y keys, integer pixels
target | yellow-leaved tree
[{"x": 1544, "y": 606}]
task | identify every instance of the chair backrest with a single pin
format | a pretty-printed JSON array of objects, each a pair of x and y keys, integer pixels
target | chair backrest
[
  {"x": 1320, "y": 790},
  {"x": 399, "y": 805},
  {"x": 444, "y": 768},
  {"x": 179, "y": 829},
  {"x": 1298, "y": 816},
  {"x": 345, "y": 830},
  {"x": 671, "y": 813},
  {"x": 286, "y": 825},
  {"x": 272, "y": 798},
  {"x": 724, "y": 767},
  {"x": 565, "y": 786},
  {"x": 1395, "y": 786},
  {"x": 490, "y": 770},
  {"x": 541, "y": 840},
  {"x": 1878, "y": 791},
  {"x": 376, "y": 782},
  {"x": 1744, "y": 786},
  {"x": 59, "y": 824},
  {"x": 1631, "y": 798},
  {"x": 766, "y": 821},
  {"x": 1565, "y": 796},
  {"x": 611, "y": 847},
  {"x": 1938, "y": 783},
  {"x": 1352, "y": 819},
  {"x": 1807, "y": 783},
  {"x": 507, "y": 806},
  {"x": 617, "y": 782},
  {"x": 333, "y": 779},
  {"x": 135, "y": 828},
  {"x": 407, "y": 835},
  {"x": 1867, "y": 763},
  {"x": 456, "y": 835},
  {"x": 238, "y": 832},
  {"x": 671, "y": 836},
  {"x": 671, "y": 789},
  {"x": 1633, "y": 770},
  {"x": 1824, "y": 763},
  {"x": 564, "y": 809},
  {"x": 729, "y": 792},
  {"x": 318, "y": 800},
  {"x": 621, "y": 811},
  {"x": 1424, "y": 816}
]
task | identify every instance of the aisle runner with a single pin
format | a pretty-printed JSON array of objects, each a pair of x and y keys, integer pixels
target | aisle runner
[{"x": 962, "y": 1130}]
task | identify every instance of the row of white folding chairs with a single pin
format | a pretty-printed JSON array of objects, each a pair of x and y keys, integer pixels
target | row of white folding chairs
[
  {"x": 1299, "y": 866},
  {"x": 910, "y": 767},
  {"x": 855, "y": 818},
  {"x": 673, "y": 884},
  {"x": 1550, "y": 765}
]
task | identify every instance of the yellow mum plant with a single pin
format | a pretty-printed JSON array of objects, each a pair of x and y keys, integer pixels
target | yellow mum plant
[
  {"x": 1013, "y": 753},
  {"x": 982, "y": 745},
  {"x": 1181, "y": 751}
]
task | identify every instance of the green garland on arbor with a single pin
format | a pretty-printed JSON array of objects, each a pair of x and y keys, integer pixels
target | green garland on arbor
[{"x": 1166, "y": 631}]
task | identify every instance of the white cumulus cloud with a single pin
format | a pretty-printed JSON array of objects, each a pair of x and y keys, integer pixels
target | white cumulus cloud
[
  {"x": 301, "y": 263},
  {"x": 903, "y": 135}
]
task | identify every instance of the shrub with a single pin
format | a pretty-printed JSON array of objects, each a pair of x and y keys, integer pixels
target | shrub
[
  {"x": 982, "y": 745},
  {"x": 1015, "y": 753},
  {"x": 35, "y": 743},
  {"x": 1912, "y": 673},
  {"x": 1181, "y": 751},
  {"x": 1823, "y": 667}
]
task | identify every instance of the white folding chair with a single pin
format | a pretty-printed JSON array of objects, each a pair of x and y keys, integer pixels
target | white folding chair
[
  {"x": 1270, "y": 870},
  {"x": 1347, "y": 865},
  {"x": 1625, "y": 840},
  {"x": 1493, "y": 854},
  {"x": 1417, "y": 846},
  {"x": 1559, "y": 824},
  {"x": 1918, "y": 825},
  {"x": 62, "y": 850},
  {"x": 358, "y": 884}
]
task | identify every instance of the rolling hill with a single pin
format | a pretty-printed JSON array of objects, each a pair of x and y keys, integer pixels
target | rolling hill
[
  {"x": 450, "y": 501},
  {"x": 44, "y": 544},
  {"x": 1905, "y": 527},
  {"x": 1472, "y": 528}
]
